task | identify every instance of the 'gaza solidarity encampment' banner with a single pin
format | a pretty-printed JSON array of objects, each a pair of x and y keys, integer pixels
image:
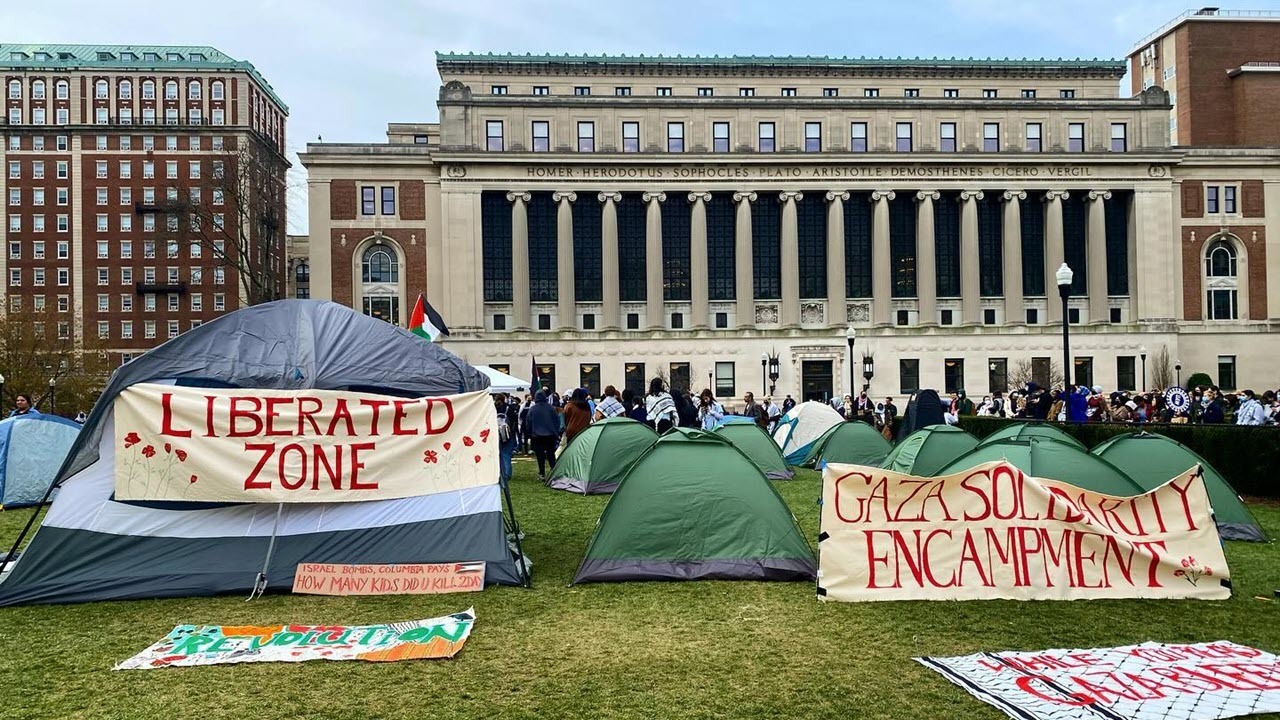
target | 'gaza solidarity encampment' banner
[
  {"x": 994, "y": 532},
  {"x": 189, "y": 645},
  {"x": 1150, "y": 681},
  {"x": 253, "y": 445}
]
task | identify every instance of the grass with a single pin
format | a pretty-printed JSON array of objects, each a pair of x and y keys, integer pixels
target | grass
[{"x": 637, "y": 650}]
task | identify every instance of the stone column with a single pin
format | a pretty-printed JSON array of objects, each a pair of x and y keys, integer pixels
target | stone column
[
  {"x": 837, "y": 314},
  {"x": 744, "y": 279},
  {"x": 970, "y": 290},
  {"x": 609, "y": 260},
  {"x": 653, "y": 258},
  {"x": 881, "y": 267},
  {"x": 1053, "y": 252},
  {"x": 790, "y": 259},
  {"x": 1096, "y": 254},
  {"x": 926, "y": 259},
  {"x": 698, "y": 281},
  {"x": 567, "y": 304},
  {"x": 1012, "y": 234},
  {"x": 520, "y": 312}
]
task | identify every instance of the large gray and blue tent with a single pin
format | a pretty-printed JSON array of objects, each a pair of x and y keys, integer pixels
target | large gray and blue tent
[
  {"x": 32, "y": 447},
  {"x": 92, "y": 547}
]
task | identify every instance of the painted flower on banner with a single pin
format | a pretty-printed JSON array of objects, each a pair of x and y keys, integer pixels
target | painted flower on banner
[
  {"x": 484, "y": 435},
  {"x": 1191, "y": 571},
  {"x": 131, "y": 439},
  {"x": 430, "y": 456},
  {"x": 193, "y": 479},
  {"x": 149, "y": 451},
  {"x": 182, "y": 455},
  {"x": 466, "y": 440},
  {"x": 152, "y": 467}
]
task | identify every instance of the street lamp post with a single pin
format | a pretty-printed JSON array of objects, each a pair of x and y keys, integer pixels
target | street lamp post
[
  {"x": 773, "y": 373},
  {"x": 868, "y": 371},
  {"x": 53, "y": 395},
  {"x": 764, "y": 363},
  {"x": 1177, "y": 367},
  {"x": 851, "y": 334},
  {"x": 1063, "y": 277},
  {"x": 1142, "y": 352}
]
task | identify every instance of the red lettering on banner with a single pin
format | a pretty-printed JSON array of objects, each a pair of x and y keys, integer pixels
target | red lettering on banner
[
  {"x": 273, "y": 413},
  {"x": 434, "y": 424},
  {"x": 862, "y": 515},
  {"x": 986, "y": 501},
  {"x": 341, "y": 413},
  {"x": 969, "y": 554},
  {"x": 1073, "y": 514},
  {"x": 166, "y": 418},
  {"x": 267, "y": 450},
  {"x": 308, "y": 415},
  {"x": 397, "y": 428},
  {"x": 1186, "y": 502},
  {"x": 302, "y": 475},
  {"x": 208, "y": 416},
  {"x": 376, "y": 406},
  {"x": 1028, "y": 684},
  {"x": 356, "y": 465},
  {"x": 236, "y": 414},
  {"x": 935, "y": 492},
  {"x": 873, "y": 560},
  {"x": 1014, "y": 478},
  {"x": 335, "y": 477}
]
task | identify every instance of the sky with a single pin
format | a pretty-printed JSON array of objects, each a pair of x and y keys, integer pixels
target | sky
[{"x": 347, "y": 68}]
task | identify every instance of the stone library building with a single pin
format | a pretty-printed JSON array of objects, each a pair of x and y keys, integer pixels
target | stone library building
[{"x": 816, "y": 225}]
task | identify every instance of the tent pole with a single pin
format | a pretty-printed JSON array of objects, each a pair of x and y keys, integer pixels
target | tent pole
[
  {"x": 35, "y": 512},
  {"x": 260, "y": 582},
  {"x": 515, "y": 527}
]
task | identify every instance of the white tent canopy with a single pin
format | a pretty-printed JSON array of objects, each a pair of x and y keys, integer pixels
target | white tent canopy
[{"x": 500, "y": 382}]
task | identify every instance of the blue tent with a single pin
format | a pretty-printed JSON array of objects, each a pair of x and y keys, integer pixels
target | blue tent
[{"x": 32, "y": 448}]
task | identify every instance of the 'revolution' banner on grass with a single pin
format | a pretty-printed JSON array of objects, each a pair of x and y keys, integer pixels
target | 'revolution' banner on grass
[
  {"x": 1150, "y": 681},
  {"x": 994, "y": 532},
  {"x": 253, "y": 445},
  {"x": 189, "y": 645}
]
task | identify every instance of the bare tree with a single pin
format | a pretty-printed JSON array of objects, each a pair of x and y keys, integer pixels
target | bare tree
[
  {"x": 241, "y": 220},
  {"x": 38, "y": 346},
  {"x": 1161, "y": 369},
  {"x": 1025, "y": 371}
]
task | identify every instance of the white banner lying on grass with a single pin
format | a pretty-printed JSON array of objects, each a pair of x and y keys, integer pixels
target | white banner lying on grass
[
  {"x": 188, "y": 645},
  {"x": 1151, "y": 681}
]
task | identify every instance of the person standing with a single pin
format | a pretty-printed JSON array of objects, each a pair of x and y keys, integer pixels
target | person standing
[
  {"x": 773, "y": 414},
  {"x": 787, "y": 403},
  {"x": 890, "y": 419},
  {"x": 660, "y": 409},
  {"x": 754, "y": 411},
  {"x": 544, "y": 426},
  {"x": 525, "y": 437},
  {"x": 24, "y": 406},
  {"x": 577, "y": 415},
  {"x": 710, "y": 412},
  {"x": 508, "y": 417},
  {"x": 1251, "y": 411},
  {"x": 609, "y": 406}
]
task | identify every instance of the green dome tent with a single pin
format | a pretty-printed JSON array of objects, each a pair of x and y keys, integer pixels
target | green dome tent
[
  {"x": 1153, "y": 460},
  {"x": 694, "y": 507},
  {"x": 1051, "y": 460},
  {"x": 855, "y": 443},
  {"x": 599, "y": 456},
  {"x": 1026, "y": 431},
  {"x": 756, "y": 444},
  {"x": 926, "y": 451}
]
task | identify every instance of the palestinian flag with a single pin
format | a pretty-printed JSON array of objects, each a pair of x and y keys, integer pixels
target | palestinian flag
[{"x": 426, "y": 322}]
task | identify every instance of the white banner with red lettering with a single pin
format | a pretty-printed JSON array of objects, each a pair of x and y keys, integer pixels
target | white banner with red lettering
[
  {"x": 255, "y": 445},
  {"x": 995, "y": 532},
  {"x": 1150, "y": 681}
]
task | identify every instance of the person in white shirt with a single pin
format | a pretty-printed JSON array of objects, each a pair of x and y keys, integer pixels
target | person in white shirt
[
  {"x": 773, "y": 412},
  {"x": 609, "y": 406},
  {"x": 710, "y": 412}
]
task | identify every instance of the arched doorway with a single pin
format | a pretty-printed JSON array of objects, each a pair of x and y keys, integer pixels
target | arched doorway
[{"x": 379, "y": 279}]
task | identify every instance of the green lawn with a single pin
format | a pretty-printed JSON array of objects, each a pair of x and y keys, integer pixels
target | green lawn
[{"x": 644, "y": 650}]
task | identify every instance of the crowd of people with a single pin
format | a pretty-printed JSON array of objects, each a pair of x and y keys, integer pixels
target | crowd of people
[{"x": 1203, "y": 405}]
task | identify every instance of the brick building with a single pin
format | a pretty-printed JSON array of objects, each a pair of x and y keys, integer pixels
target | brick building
[
  {"x": 720, "y": 220},
  {"x": 143, "y": 188}
]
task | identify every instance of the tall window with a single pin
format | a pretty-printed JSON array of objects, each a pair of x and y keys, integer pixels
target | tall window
[
  {"x": 902, "y": 245},
  {"x": 1033, "y": 137},
  {"x": 858, "y": 137},
  {"x": 100, "y": 90},
  {"x": 62, "y": 90},
  {"x": 1227, "y": 372},
  {"x": 216, "y": 90},
  {"x": 908, "y": 375},
  {"x": 1211, "y": 193},
  {"x": 991, "y": 137},
  {"x": 675, "y": 137},
  {"x": 811, "y": 242},
  {"x": 587, "y": 248},
  {"x": 946, "y": 214},
  {"x": 724, "y": 380},
  {"x": 721, "y": 251},
  {"x": 1222, "y": 280},
  {"x": 766, "y": 249},
  {"x": 953, "y": 374},
  {"x": 541, "y": 136},
  {"x": 543, "y": 252},
  {"x": 903, "y": 136},
  {"x": 1229, "y": 199},
  {"x": 947, "y": 137},
  {"x": 586, "y": 137},
  {"x": 171, "y": 90},
  {"x": 1075, "y": 137},
  {"x": 493, "y": 135},
  {"x": 720, "y": 137},
  {"x": 812, "y": 137},
  {"x": 998, "y": 375},
  {"x": 1119, "y": 142},
  {"x": 379, "y": 265},
  {"x": 766, "y": 139},
  {"x": 388, "y": 200},
  {"x": 631, "y": 248},
  {"x": 367, "y": 204},
  {"x": 495, "y": 241},
  {"x": 193, "y": 90},
  {"x": 990, "y": 245},
  {"x": 1126, "y": 373},
  {"x": 15, "y": 89},
  {"x": 631, "y": 137},
  {"x": 676, "y": 250}
]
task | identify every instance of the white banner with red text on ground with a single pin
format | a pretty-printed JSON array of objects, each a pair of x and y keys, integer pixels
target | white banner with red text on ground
[
  {"x": 995, "y": 532},
  {"x": 1150, "y": 681},
  {"x": 255, "y": 445}
]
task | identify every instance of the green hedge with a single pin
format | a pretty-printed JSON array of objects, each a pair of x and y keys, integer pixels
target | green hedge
[{"x": 1246, "y": 456}]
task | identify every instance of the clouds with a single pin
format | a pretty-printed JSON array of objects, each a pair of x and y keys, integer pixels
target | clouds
[{"x": 346, "y": 69}]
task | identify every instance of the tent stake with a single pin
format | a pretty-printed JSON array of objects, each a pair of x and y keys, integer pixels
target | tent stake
[{"x": 260, "y": 582}]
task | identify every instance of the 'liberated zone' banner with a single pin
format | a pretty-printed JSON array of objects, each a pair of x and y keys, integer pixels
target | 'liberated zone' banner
[
  {"x": 189, "y": 645},
  {"x": 994, "y": 532},
  {"x": 1148, "y": 681},
  {"x": 254, "y": 445}
]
